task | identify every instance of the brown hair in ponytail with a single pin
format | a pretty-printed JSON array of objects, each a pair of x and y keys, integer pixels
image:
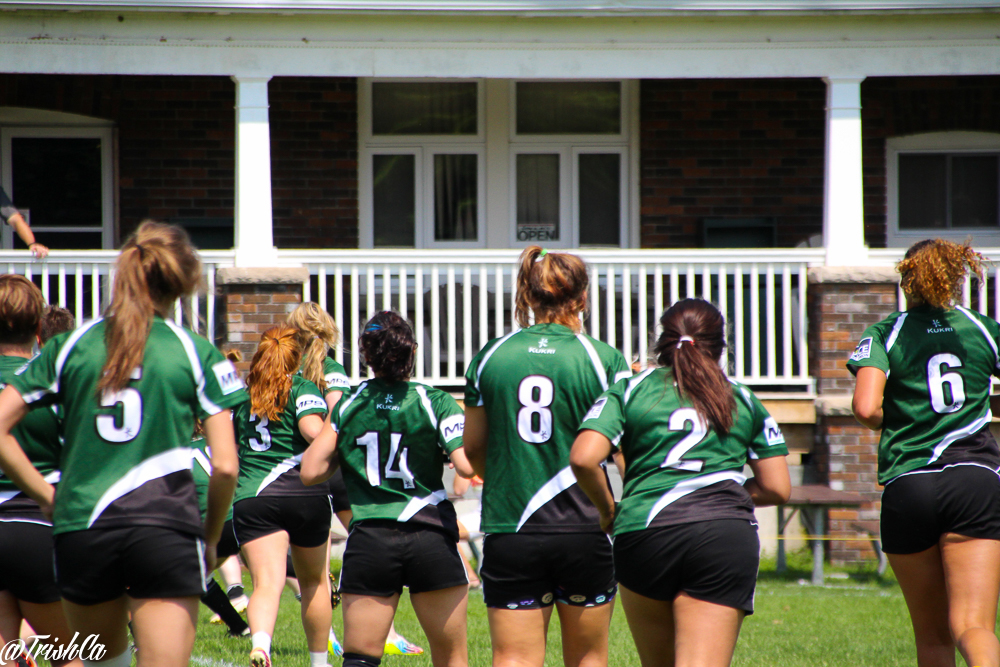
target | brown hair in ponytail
[
  {"x": 692, "y": 343},
  {"x": 270, "y": 379},
  {"x": 553, "y": 285},
  {"x": 157, "y": 265},
  {"x": 317, "y": 334},
  {"x": 933, "y": 271}
]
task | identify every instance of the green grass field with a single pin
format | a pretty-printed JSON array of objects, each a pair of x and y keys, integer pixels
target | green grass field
[{"x": 857, "y": 620}]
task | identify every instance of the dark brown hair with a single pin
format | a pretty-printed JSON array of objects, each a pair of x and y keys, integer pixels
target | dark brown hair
[
  {"x": 553, "y": 285},
  {"x": 271, "y": 369},
  {"x": 933, "y": 271},
  {"x": 156, "y": 265},
  {"x": 388, "y": 345},
  {"x": 692, "y": 343},
  {"x": 21, "y": 308},
  {"x": 55, "y": 321}
]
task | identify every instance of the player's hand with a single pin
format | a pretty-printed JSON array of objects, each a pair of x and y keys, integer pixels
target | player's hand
[
  {"x": 211, "y": 556},
  {"x": 46, "y": 510},
  {"x": 38, "y": 250},
  {"x": 608, "y": 522}
]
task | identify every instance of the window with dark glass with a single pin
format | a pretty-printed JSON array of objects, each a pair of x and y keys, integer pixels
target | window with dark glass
[
  {"x": 569, "y": 107},
  {"x": 424, "y": 108},
  {"x": 948, "y": 190}
]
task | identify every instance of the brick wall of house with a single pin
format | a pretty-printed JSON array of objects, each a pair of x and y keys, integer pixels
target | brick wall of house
[
  {"x": 730, "y": 148},
  {"x": 900, "y": 106},
  {"x": 250, "y": 310}
]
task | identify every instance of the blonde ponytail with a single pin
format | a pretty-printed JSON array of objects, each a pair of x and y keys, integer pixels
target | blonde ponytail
[{"x": 317, "y": 334}]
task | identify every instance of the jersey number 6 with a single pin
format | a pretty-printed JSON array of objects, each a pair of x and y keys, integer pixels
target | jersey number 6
[{"x": 936, "y": 382}]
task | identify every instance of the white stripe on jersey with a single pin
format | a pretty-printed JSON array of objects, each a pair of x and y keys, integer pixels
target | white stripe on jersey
[
  {"x": 279, "y": 470},
  {"x": 417, "y": 504},
  {"x": 602, "y": 376},
  {"x": 963, "y": 432},
  {"x": 634, "y": 382},
  {"x": 691, "y": 485},
  {"x": 205, "y": 464},
  {"x": 943, "y": 468},
  {"x": 552, "y": 488},
  {"x": 744, "y": 393},
  {"x": 352, "y": 397},
  {"x": 895, "y": 332},
  {"x": 199, "y": 373},
  {"x": 482, "y": 364},
  {"x": 161, "y": 465},
  {"x": 60, "y": 362},
  {"x": 426, "y": 403},
  {"x": 989, "y": 339}
]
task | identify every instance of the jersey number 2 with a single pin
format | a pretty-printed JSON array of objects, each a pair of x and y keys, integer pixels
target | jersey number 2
[
  {"x": 109, "y": 427},
  {"x": 678, "y": 419},
  {"x": 937, "y": 381},
  {"x": 370, "y": 442}
]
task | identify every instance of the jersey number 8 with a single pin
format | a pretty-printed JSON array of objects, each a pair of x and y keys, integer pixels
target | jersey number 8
[{"x": 534, "y": 419}]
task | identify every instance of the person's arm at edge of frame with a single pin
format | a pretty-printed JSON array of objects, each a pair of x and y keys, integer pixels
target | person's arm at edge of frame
[
  {"x": 868, "y": 395},
  {"x": 221, "y": 441},
  {"x": 23, "y": 231},
  {"x": 475, "y": 438},
  {"x": 590, "y": 450},
  {"x": 771, "y": 483},
  {"x": 319, "y": 461},
  {"x": 13, "y": 460}
]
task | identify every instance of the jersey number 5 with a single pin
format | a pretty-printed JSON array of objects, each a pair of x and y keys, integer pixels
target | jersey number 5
[
  {"x": 372, "y": 468},
  {"x": 937, "y": 381},
  {"x": 679, "y": 419},
  {"x": 109, "y": 427}
]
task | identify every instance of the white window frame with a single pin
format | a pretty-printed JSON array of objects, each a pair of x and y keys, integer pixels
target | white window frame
[
  {"x": 105, "y": 134},
  {"x": 424, "y": 147},
  {"x": 934, "y": 142}
]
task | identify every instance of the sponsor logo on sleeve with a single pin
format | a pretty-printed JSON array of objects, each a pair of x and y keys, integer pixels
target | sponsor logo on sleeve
[
  {"x": 772, "y": 433},
  {"x": 309, "y": 402},
  {"x": 596, "y": 410},
  {"x": 337, "y": 381},
  {"x": 863, "y": 350},
  {"x": 228, "y": 377},
  {"x": 452, "y": 427}
]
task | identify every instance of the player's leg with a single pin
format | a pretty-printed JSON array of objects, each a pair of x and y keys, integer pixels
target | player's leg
[
  {"x": 165, "y": 629},
  {"x": 10, "y": 618},
  {"x": 705, "y": 632},
  {"x": 442, "y": 615},
  {"x": 972, "y": 576},
  {"x": 652, "y": 625},
  {"x": 106, "y": 620},
  {"x": 518, "y": 636},
  {"x": 585, "y": 634},
  {"x": 265, "y": 557},
  {"x": 366, "y": 623},
  {"x": 312, "y": 565},
  {"x": 49, "y": 619},
  {"x": 921, "y": 579}
]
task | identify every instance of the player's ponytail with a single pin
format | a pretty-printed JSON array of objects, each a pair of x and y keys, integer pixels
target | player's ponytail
[
  {"x": 692, "y": 343},
  {"x": 553, "y": 285},
  {"x": 933, "y": 271},
  {"x": 317, "y": 334},
  {"x": 157, "y": 265},
  {"x": 388, "y": 346},
  {"x": 271, "y": 369}
]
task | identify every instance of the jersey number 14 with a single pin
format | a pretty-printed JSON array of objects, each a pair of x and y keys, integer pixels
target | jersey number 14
[{"x": 373, "y": 464}]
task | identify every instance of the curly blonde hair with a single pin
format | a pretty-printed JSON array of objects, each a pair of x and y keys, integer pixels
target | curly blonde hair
[
  {"x": 270, "y": 379},
  {"x": 933, "y": 271},
  {"x": 317, "y": 334}
]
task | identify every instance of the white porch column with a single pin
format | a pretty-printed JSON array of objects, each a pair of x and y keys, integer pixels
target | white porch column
[
  {"x": 253, "y": 234},
  {"x": 843, "y": 211}
]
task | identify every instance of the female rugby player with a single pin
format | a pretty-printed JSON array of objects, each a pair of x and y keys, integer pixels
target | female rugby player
[
  {"x": 392, "y": 435},
  {"x": 128, "y": 534},
  {"x": 272, "y": 507},
  {"x": 525, "y": 396},
  {"x": 27, "y": 582},
  {"x": 923, "y": 378},
  {"x": 686, "y": 547}
]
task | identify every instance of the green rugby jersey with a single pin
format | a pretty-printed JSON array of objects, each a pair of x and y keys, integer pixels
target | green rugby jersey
[
  {"x": 271, "y": 451},
  {"x": 335, "y": 376},
  {"x": 391, "y": 439},
  {"x": 677, "y": 469},
  {"x": 40, "y": 438},
  {"x": 536, "y": 384},
  {"x": 201, "y": 468},
  {"x": 126, "y": 460},
  {"x": 936, "y": 408}
]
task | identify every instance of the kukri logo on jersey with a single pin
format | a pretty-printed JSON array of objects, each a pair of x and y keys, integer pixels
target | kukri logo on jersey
[
  {"x": 543, "y": 347},
  {"x": 936, "y": 327}
]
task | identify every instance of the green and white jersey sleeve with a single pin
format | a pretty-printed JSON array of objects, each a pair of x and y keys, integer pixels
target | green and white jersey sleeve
[
  {"x": 271, "y": 451},
  {"x": 535, "y": 385},
  {"x": 201, "y": 468},
  {"x": 393, "y": 439},
  {"x": 127, "y": 456},
  {"x": 39, "y": 437},
  {"x": 677, "y": 469},
  {"x": 938, "y": 364},
  {"x": 335, "y": 376}
]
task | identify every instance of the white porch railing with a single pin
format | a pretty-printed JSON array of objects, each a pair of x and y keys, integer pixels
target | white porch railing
[
  {"x": 458, "y": 300},
  {"x": 81, "y": 280}
]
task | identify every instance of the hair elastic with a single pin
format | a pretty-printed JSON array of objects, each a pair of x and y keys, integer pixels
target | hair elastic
[
  {"x": 373, "y": 327},
  {"x": 542, "y": 254},
  {"x": 683, "y": 339}
]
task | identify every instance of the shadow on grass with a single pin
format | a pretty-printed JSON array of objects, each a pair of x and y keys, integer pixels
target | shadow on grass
[{"x": 799, "y": 568}]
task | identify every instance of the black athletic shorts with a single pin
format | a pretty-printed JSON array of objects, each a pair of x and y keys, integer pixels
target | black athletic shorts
[
  {"x": 533, "y": 570},
  {"x": 228, "y": 546},
  {"x": 383, "y": 556},
  {"x": 306, "y": 519},
  {"x": 714, "y": 561},
  {"x": 26, "y": 562},
  {"x": 101, "y": 564},
  {"x": 338, "y": 492},
  {"x": 919, "y": 507}
]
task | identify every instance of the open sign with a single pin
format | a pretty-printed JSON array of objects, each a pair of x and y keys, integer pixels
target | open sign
[{"x": 548, "y": 232}]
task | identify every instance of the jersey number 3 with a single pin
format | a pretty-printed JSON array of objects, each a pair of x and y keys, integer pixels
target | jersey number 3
[
  {"x": 372, "y": 468},
  {"x": 937, "y": 381}
]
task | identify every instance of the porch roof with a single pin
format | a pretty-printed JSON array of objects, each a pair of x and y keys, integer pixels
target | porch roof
[{"x": 529, "y": 7}]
